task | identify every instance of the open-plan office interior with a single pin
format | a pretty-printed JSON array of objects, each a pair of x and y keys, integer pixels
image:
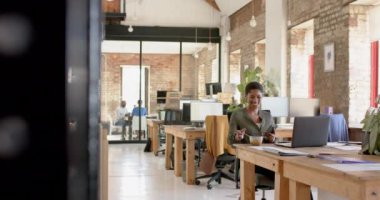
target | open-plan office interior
[{"x": 147, "y": 99}]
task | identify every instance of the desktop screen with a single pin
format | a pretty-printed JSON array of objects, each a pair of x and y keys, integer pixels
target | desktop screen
[
  {"x": 186, "y": 112},
  {"x": 215, "y": 87},
  {"x": 199, "y": 110},
  {"x": 278, "y": 106},
  {"x": 303, "y": 107}
]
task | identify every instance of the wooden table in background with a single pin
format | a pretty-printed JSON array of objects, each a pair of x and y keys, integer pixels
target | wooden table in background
[
  {"x": 179, "y": 135},
  {"x": 295, "y": 174},
  {"x": 154, "y": 130}
]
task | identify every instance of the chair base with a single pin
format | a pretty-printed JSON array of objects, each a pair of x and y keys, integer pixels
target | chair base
[{"x": 216, "y": 176}]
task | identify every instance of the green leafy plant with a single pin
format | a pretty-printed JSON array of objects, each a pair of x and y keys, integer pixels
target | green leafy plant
[
  {"x": 371, "y": 127},
  {"x": 250, "y": 75}
]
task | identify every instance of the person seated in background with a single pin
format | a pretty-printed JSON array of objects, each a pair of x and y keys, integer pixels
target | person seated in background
[
  {"x": 135, "y": 111},
  {"x": 121, "y": 113},
  {"x": 252, "y": 121}
]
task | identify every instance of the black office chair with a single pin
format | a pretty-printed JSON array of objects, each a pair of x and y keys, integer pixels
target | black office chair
[
  {"x": 172, "y": 117},
  {"x": 217, "y": 176},
  {"x": 222, "y": 159}
]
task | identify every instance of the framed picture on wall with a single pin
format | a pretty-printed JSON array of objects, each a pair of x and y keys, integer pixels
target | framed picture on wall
[{"x": 329, "y": 57}]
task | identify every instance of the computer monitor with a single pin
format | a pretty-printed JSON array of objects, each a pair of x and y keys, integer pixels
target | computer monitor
[
  {"x": 183, "y": 101},
  {"x": 199, "y": 110},
  {"x": 278, "y": 106},
  {"x": 303, "y": 107},
  {"x": 186, "y": 112},
  {"x": 213, "y": 88}
]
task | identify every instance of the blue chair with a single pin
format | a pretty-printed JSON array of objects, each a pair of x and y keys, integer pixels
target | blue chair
[{"x": 338, "y": 130}]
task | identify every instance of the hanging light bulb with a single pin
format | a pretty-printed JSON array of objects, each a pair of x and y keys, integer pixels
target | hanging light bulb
[
  {"x": 196, "y": 55},
  {"x": 209, "y": 47},
  {"x": 130, "y": 29},
  {"x": 253, "y": 22},
  {"x": 228, "y": 36}
]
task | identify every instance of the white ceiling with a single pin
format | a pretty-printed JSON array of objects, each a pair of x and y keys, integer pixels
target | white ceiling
[
  {"x": 173, "y": 13},
  {"x": 228, "y": 7},
  {"x": 111, "y": 46}
]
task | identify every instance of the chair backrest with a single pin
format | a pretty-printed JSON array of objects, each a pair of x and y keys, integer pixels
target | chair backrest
[
  {"x": 216, "y": 134},
  {"x": 172, "y": 117}
]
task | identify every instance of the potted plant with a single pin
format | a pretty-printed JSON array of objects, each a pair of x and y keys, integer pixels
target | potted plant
[
  {"x": 250, "y": 75},
  {"x": 371, "y": 128}
]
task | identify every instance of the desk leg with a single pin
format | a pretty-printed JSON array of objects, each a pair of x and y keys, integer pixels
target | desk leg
[
  {"x": 178, "y": 156},
  {"x": 299, "y": 191},
  {"x": 168, "y": 150},
  {"x": 247, "y": 180},
  {"x": 154, "y": 134},
  {"x": 190, "y": 166},
  {"x": 282, "y": 187}
]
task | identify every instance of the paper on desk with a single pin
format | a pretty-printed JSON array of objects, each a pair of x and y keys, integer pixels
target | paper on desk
[
  {"x": 334, "y": 144},
  {"x": 257, "y": 147},
  {"x": 355, "y": 167},
  {"x": 284, "y": 152},
  {"x": 279, "y": 151},
  {"x": 349, "y": 147}
]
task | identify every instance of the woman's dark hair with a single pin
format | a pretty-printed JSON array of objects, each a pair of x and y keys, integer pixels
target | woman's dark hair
[{"x": 253, "y": 86}]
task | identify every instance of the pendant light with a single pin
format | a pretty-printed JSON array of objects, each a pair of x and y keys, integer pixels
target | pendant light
[{"x": 253, "y": 22}]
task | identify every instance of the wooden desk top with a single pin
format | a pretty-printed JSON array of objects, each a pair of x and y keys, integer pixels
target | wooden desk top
[
  {"x": 150, "y": 122},
  {"x": 316, "y": 163},
  {"x": 179, "y": 131}
]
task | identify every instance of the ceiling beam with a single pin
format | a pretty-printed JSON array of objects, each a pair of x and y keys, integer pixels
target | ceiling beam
[{"x": 213, "y": 4}]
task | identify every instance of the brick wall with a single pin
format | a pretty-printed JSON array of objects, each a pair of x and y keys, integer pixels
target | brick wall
[
  {"x": 204, "y": 68},
  {"x": 111, "y": 6},
  {"x": 243, "y": 35},
  {"x": 163, "y": 75},
  {"x": 331, "y": 26},
  {"x": 359, "y": 63},
  {"x": 300, "y": 11},
  {"x": 260, "y": 55},
  {"x": 234, "y": 66}
]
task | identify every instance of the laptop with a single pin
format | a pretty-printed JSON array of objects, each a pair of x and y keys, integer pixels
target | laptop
[{"x": 309, "y": 132}]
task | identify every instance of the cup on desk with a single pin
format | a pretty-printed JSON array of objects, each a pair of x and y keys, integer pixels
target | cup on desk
[{"x": 256, "y": 140}]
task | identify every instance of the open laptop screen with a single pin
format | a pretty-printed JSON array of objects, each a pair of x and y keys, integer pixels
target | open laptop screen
[{"x": 310, "y": 131}]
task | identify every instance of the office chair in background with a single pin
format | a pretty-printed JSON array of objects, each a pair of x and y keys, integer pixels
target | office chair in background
[
  {"x": 172, "y": 117},
  {"x": 216, "y": 140}
]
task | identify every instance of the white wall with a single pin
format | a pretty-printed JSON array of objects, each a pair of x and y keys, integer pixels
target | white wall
[
  {"x": 374, "y": 23},
  {"x": 276, "y": 42}
]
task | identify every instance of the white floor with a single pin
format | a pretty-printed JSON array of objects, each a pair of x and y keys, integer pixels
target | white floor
[{"x": 134, "y": 174}]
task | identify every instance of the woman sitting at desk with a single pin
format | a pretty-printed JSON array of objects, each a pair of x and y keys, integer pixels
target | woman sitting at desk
[{"x": 252, "y": 121}]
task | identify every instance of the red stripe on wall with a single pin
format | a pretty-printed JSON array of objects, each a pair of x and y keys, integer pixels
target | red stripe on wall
[
  {"x": 374, "y": 72},
  {"x": 311, "y": 76}
]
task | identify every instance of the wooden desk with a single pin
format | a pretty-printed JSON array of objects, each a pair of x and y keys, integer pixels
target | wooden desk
[
  {"x": 304, "y": 172},
  {"x": 249, "y": 157},
  {"x": 295, "y": 175},
  {"x": 154, "y": 130},
  {"x": 180, "y": 134}
]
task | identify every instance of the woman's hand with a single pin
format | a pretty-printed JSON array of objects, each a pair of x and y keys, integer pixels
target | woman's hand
[
  {"x": 239, "y": 134},
  {"x": 270, "y": 137}
]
